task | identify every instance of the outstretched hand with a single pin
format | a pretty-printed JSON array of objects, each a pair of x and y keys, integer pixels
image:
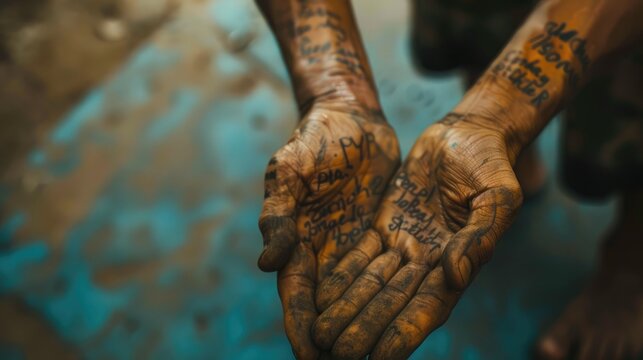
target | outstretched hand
[
  {"x": 321, "y": 193},
  {"x": 437, "y": 224}
]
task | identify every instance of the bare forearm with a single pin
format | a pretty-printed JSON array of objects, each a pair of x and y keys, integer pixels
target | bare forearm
[
  {"x": 322, "y": 48},
  {"x": 558, "y": 49}
]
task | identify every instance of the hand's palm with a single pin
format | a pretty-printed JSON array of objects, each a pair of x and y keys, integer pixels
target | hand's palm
[
  {"x": 322, "y": 189},
  {"x": 452, "y": 183},
  {"x": 436, "y": 225},
  {"x": 329, "y": 178}
]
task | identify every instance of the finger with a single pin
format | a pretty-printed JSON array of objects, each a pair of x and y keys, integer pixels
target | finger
[
  {"x": 326, "y": 261},
  {"x": 296, "y": 290},
  {"x": 350, "y": 266},
  {"x": 355, "y": 223},
  {"x": 491, "y": 214},
  {"x": 427, "y": 310},
  {"x": 333, "y": 249},
  {"x": 361, "y": 335},
  {"x": 332, "y": 321},
  {"x": 282, "y": 186}
]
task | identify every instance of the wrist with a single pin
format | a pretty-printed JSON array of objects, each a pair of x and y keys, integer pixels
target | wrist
[
  {"x": 494, "y": 103},
  {"x": 335, "y": 89}
]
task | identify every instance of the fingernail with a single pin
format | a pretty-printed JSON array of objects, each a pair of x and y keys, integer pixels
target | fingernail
[
  {"x": 271, "y": 259},
  {"x": 262, "y": 259}
]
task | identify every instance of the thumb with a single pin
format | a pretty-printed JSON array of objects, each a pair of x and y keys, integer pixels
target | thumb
[
  {"x": 277, "y": 220},
  {"x": 492, "y": 212}
]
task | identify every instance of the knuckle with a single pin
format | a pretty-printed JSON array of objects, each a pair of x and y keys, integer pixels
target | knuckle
[
  {"x": 337, "y": 279},
  {"x": 374, "y": 278},
  {"x": 349, "y": 303},
  {"x": 360, "y": 255},
  {"x": 396, "y": 293},
  {"x": 434, "y": 303},
  {"x": 408, "y": 326},
  {"x": 511, "y": 194},
  {"x": 429, "y": 300}
]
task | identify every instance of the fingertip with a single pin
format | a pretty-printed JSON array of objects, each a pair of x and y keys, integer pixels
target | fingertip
[
  {"x": 322, "y": 300},
  {"x": 325, "y": 266},
  {"x": 279, "y": 238},
  {"x": 268, "y": 267},
  {"x": 271, "y": 260}
]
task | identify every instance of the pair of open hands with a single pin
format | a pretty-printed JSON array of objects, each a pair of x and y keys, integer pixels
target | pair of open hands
[{"x": 373, "y": 256}]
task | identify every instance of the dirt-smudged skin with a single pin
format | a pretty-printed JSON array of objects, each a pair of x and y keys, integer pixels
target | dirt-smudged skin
[
  {"x": 322, "y": 188},
  {"x": 457, "y": 193},
  {"x": 438, "y": 223}
]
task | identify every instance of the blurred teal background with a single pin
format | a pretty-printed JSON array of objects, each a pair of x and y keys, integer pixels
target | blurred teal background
[{"x": 130, "y": 193}]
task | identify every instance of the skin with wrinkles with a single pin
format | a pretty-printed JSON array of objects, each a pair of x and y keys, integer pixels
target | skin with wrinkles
[
  {"x": 322, "y": 188},
  {"x": 332, "y": 188},
  {"x": 404, "y": 268},
  {"x": 453, "y": 196},
  {"x": 457, "y": 193}
]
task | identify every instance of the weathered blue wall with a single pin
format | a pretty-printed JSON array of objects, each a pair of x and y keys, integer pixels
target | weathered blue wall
[{"x": 132, "y": 233}]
